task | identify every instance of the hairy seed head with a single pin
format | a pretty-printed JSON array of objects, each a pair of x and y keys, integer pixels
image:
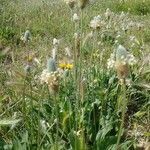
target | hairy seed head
[{"x": 122, "y": 70}]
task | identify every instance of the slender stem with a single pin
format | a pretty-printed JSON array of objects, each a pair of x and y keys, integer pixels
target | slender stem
[
  {"x": 24, "y": 104},
  {"x": 46, "y": 134},
  {"x": 57, "y": 119},
  {"x": 39, "y": 126},
  {"x": 38, "y": 137},
  {"x": 31, "y": 103},
  {"x": 75, "y": 75},
  {"x": 124, "y": 101},
  {"x": 93, "y": 46}
]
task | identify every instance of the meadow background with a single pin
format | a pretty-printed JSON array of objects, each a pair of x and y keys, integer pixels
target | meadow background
[{"x": 85, "y": 112}]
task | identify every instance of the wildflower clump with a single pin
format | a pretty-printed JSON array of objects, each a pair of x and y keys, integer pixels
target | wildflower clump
[{"x": 50, "y": 76}]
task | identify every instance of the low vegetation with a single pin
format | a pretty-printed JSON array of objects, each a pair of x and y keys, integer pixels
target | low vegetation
[{"x": 74, "y": 75}]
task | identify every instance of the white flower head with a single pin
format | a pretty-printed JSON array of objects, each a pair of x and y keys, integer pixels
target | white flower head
[
  {"x": 44, "y": 76},
  {"x": 122, "y": 15},
  {"x": 43, "y": 125},
  {"x": 108, "y": 13},
  {"x": 132, "y": 38},
  {"x": 49, "y": 78},
  {"x": 140, "y": 26},
  {"x": 37, "y": 61},
  {"x": 56, "y": 42},
  {"x": 96, "y": 22},
  {"x": 131, "y": 59},
  {"x": 118, "y": 36},
  {"x": 75, "y": 17},
  {"x": 111, "y": 61},
  {"x": 76, "y": 35}
]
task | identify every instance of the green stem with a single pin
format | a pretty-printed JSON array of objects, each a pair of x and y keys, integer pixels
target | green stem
[
  {"x": 124, "y": 100},
  {"x": 24, "y": 104},
  {"x": 57, "y": 117},
  {"x": 38, "y": 136},
  {"x": 31, "y": 103},
  {"x": 93, "y": 46},
  {"x": 39, "y": 126}
]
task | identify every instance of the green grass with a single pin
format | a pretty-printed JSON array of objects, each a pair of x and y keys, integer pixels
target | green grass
[
  {"x": 86, "y": 112},
  {"x": 135, "y": 7}
]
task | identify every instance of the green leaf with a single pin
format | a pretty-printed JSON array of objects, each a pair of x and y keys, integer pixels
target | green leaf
[
  {"x": 6, "y": 122},
  {"x": 147, "y": 134},
  {"x": 140, "y": 114}
]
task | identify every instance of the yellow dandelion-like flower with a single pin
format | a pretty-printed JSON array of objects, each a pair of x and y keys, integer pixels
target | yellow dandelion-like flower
[
  {"x": 30, "y": 57},
  {"x": 69, "y": 66},
  {"x": 66, "y": 66},
  {"x": 62, "y": 65}
]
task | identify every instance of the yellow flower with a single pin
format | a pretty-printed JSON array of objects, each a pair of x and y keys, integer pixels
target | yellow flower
[
  {"x": 62, "y": 65},
  {"x": 30, "y": 57},
  {"x": 65, "y": 66},
  {"x": 69, "y": 66}
]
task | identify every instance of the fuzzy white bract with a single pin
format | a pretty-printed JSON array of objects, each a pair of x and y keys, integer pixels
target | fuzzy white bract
[
  {"x": 45, "y": 76},
  {"x": 48, "y": 77}
]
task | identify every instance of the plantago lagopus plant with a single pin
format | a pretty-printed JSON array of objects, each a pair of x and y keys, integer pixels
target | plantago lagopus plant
[{"x": 122, "y": 61}]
